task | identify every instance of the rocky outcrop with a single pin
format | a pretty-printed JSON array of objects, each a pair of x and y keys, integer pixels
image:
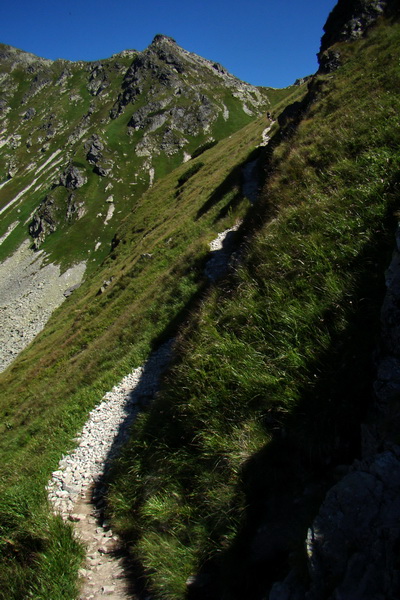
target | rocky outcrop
[
  {"x": 16, "y": 57},
  {"x": 94, "y": 147},
  {"x": 165, "y": 120},
  {"x": 352, "y": 544},
  {"x": 349, "y": 20},
  {"x": 161, "y": 61},
  {"x": 98, "y": 80},
  {"x": 72, "y": 178},
  {"x": 50, "y": 214},
  {"x": 31, "y": 112},
  {"x": 75, "y": 208},
  {"x": 41, "y": 80},
  {"x": 151, "y": 116},
  {"x": 164, "y": 65},
  {"x": 44, "y": 221}
]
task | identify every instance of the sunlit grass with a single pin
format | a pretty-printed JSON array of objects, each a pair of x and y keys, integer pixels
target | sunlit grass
[
  {"x": 274, "y": 368},
  {"x": 93, "y": 340}
]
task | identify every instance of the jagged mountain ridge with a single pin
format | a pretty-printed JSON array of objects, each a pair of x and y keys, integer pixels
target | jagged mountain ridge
[{"x": 118, "y": 123}]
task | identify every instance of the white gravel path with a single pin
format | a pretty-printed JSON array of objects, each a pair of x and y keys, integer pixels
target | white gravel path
[
  {"x": 221, "y": 249},
  {"x": 104, "y": 432},
  {"x": 265, "y": 138},
  {"x": 76, "y": 486}
]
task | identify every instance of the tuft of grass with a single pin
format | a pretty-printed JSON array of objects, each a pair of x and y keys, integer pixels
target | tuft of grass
[{"x": 40, "y": 555}]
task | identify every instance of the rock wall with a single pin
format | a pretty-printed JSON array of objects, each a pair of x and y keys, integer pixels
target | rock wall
[
  {"x": 352, "y": 544},
  {"x": 349, "y": 20}
]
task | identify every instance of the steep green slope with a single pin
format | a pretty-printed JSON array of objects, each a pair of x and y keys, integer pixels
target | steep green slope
[
  {"x": 95, "y": 338},
  {"x": 119, "y": 123},
  {"x": 226, "y": 470},
  {"x": 224, "y": 473}
]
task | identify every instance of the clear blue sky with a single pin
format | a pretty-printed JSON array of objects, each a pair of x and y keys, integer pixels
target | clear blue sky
[{"x": 269, "y": 42}]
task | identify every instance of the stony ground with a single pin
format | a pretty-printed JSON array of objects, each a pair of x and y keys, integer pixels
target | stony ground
[
  {"x": 29, "y": 293},
  {"x": 104, "y": 573},
  {"x": 76, "y": 490}
]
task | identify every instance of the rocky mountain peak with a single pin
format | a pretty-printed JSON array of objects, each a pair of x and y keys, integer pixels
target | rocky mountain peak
[
  {"x": 75, "y": 122},
  {"x": 160, "y": 38}
]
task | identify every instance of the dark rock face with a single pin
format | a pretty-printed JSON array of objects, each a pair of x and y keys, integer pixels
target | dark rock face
[
  {"x": 166, "y": 53},
  {"x": 164, "y": 66},
  {"x": 31, "y": 112},
  {"x": 72, "y": 178},
  {"x": 330, "y": 61},
  {"x": 71, "y": 289},
  {"x": 41, "y": 80},
  {"x": 94, "y": 147},
  {"x": 49, "y": 215},
  {"x": 160, "y": 62},
  {"x": 44, "y": 221},
  {"x": 349, "y": 20},
  {"x": 218, "y": 67},
  {"x": 104, "y": 169},
  {"x": 148, "y": 116},
  {"x": 132, "y": 85},
  {"x": 65, "y": 75},
  {"x": 75, "y": 208},
  {"x": 352, "y": 543},
  {"x": 98, "y": 80}
]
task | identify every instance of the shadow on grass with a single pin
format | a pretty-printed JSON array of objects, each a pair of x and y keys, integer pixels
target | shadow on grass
[
  {"x": 233, "y": 180},
  {"x": 285, "y": 482},
  {"x": 174, "y": 433}
]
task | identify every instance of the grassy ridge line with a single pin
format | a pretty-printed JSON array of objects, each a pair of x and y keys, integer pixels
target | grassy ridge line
[
  {"x": 93, "y": 340},
  {"x": 274, "y": 371}
]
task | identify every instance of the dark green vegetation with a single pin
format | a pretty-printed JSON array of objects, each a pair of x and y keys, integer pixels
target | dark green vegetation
[
  {"x": 273, "y": 367},
  {"x": 93, "y": 340},
  {"x": 273, "y": 373}
]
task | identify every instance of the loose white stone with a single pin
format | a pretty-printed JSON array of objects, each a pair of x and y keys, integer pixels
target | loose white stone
[{"x": 103, "y": 434}]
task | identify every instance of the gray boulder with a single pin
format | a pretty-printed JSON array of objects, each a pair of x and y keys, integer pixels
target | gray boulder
[
  {"x": 31, "y": 112},
  {"x": 72, "y": 178},
  {"x": 94, "y": 147},
  {"x": 352, "y": 544}
]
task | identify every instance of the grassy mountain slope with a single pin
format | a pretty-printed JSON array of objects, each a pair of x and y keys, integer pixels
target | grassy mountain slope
[
  {"x": 224, "y": 473},
  {"x": 122, "y": 123},
  {"x": 95, "y": 338}
]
